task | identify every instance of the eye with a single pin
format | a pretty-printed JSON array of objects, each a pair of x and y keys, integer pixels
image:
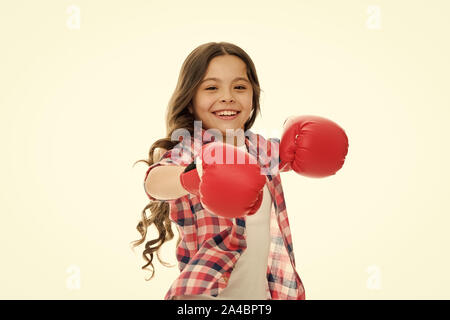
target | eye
[{"x": 242, "y": 88}]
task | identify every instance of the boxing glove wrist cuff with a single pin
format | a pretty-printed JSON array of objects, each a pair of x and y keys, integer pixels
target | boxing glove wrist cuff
[{"x": 190, "y": 180}]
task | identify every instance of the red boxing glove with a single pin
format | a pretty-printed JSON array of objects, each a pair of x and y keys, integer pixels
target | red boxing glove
[
  {"x": 228, "y": 180},
  {"x": 312, "y": 146}
]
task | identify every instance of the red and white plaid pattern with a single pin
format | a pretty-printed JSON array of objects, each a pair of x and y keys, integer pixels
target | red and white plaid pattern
[{"x": 210, "y": 245}]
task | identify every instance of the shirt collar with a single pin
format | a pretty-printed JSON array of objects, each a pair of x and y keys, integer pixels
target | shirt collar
[{"x": 255, "y": 143}]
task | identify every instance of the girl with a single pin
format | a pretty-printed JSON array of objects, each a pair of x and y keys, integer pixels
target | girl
[{"x": 249, "y": 257}]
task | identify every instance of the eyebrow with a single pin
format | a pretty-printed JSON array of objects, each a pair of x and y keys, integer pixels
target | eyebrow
[{"x": 218, "y": 80}]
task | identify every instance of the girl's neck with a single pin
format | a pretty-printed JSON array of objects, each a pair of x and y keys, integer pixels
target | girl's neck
[{"x": 237, "y": 141}]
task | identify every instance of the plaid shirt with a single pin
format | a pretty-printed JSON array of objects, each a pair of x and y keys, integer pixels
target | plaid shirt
[{"x": 211, "y": 245}]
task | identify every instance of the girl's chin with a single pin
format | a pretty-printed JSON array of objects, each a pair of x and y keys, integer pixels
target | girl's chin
[{"x": 224, "y": 128}]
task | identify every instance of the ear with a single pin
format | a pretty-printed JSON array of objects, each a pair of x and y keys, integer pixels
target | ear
[{"x": 190, "y": 109}]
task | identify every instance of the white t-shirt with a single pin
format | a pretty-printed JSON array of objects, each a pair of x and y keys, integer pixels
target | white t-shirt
[{"x": 249, "y": 276}]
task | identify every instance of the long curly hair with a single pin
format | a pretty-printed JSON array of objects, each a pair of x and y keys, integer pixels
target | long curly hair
[{"x": 178, "y": 116}]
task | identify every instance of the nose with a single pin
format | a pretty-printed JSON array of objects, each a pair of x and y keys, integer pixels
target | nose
[
  {"x": 228, "y": 100},
  {"x": 227, "y": 96}
]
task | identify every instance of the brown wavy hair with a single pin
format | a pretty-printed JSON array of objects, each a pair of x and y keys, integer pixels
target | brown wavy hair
[{"x": 178, "y": 116}]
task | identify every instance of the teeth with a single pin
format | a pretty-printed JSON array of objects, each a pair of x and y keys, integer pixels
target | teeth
[{"x": 226, "y": 113}]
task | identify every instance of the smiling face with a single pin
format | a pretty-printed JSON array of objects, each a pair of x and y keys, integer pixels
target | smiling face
[{"x": 224, "y": 102}]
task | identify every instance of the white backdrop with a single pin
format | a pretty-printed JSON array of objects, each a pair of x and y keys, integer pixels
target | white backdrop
[{"x": 85, "y": 85}]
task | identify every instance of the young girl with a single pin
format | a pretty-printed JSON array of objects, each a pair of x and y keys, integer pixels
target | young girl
[{"x": 219, "y": 257}]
